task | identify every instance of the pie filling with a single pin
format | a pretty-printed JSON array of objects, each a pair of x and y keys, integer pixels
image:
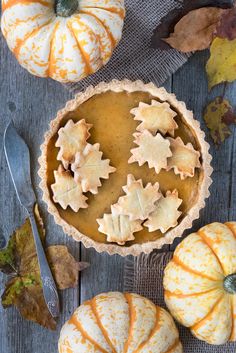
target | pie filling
[{"x": 113, "y": 127}]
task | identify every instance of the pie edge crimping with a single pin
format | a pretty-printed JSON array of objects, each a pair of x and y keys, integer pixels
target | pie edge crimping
[{"x": 193, "y": 213}]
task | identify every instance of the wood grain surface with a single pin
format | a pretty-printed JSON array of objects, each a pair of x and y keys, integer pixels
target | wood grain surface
[{"x": 32, "y": 102}]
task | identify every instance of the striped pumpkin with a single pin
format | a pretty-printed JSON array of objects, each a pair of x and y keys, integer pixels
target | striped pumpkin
[
  {"x": 200, "y": 283},
  {"x": 119, "y": 323},
  {"x": 63, "y": 39}
]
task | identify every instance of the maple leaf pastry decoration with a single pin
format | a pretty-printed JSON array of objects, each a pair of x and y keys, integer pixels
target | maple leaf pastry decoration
[
  {"x": 166, "y": 214},
  {"x": 118, "y": 227},
  {"x": 72, "y": 139},
  {"x": 155, "y": 117},
  {"x": 152, "y": 149},
  {"x": 66, "y": 191},
  {"x": 139, "y": 202},
  {"x": 89, "y": 168},
  {"x": 184, "y": 158}
]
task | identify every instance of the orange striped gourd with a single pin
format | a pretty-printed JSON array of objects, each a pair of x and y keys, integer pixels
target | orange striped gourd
[
  {"x": 119, "y": 323},
  {"x": 63, "y": 39},
  {"x": 200, "y": 283}
]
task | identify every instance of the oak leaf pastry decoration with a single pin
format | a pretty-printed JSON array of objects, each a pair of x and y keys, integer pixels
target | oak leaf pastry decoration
[
  {"x": 89, "y": 168},
  {"x": 184, "y": 158},
  {"x": 156, "y": 117},
  {"x": 166, "y": 214},
  {"x": 72, "y": 139},
  {"x": 66, "y": 191},
  {"x": 118, "y": 227},
  {"x": 152, "y": 149},
  {"x": 139, "y": 202}
]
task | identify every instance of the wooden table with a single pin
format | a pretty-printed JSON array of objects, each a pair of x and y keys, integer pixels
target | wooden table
[{"x": 32, "y": 102}]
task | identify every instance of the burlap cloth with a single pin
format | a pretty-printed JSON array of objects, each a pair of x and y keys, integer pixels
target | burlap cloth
[
  {"x": 144, "y": 275},
  {"x": 133, "y": 58}
]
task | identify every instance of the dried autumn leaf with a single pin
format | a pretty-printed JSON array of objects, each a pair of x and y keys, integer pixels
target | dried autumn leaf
[
  {"x": 64, "y": 267},
  {"x": 227, "y": 25},
  {"x": 24, "y": 288},
  {"x": 218, "y": 116},
  {"x": 222, "y": 62},
  {"x": 168, "y": 22},
  {"x": 195, "y": 30},
  {"x": 221, "y": 65}
]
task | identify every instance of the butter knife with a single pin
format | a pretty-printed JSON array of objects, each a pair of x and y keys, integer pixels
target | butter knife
[{"x": 18, "y": 160}]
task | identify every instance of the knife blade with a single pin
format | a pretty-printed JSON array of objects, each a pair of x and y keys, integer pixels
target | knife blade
[{"x": 18, "y": 160}]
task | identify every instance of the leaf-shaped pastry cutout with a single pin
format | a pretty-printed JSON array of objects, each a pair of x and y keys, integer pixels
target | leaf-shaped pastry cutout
[
  {"x": 184, "y": 158},
  {"x": 119, "y": 228},
  {"x": 166, "y": 213},
  {"x": 89, "y": 167},
  {"x": 139, "y": 202},
  {"x": 155, "y": 117},
  {"x": 152, "y": 149},
  {"x": 72, "y": 139},
  {"x": 68, "y": 192}
]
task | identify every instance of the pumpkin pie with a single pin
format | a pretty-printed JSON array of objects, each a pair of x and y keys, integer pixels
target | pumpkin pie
[{"x": 125, "y": 168}]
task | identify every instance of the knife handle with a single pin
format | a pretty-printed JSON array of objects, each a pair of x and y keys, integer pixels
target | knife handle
[{"x": 48, "y": 283}]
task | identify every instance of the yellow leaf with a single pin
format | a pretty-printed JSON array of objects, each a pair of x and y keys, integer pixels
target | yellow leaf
[{"x": 221, "y": 65}]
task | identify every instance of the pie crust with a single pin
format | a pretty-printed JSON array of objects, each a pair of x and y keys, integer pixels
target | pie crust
[{"x": 204, "y": 177}]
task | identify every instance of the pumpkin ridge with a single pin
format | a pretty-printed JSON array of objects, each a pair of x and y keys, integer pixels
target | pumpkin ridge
[
  {"x": 118, "y": 12},
  {"x": 205, "y": 318},
  {"x": 180, "y": 295},
  {"x": 97, "y": 36},
  {"x": 93, "y": 306},
  {"x": 178, "y": 262},
  {"x": 207, "y": 242},
  {"x": 21, "y": 42},
  {"x": 112, "y": 39},
  {"x": 51, "y": 59},
  {"x": 11, "y": 3},
  {"x": 152, "y": 333},
  {"x": 88, "y": 70},
  {"x": 233, "y": 317},
  {"x": 229, "y": 225},
  {"x": 132, "y": 315},
  {"x": 73, "y": 320}
]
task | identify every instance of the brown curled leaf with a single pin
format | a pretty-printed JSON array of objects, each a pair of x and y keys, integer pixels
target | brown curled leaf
[
  {"x": 195, "y": 30},
  {"x": 65, "y": 268}
]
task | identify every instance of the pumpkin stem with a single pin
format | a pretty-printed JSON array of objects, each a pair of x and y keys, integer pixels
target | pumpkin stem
[
  {"x": 230, "y": 283},
  {"x": 66, "y": 8}
]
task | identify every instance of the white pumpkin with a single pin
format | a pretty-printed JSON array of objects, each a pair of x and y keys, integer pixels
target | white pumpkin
[
  {"x": 63, "y": 39},
  {"x": 200, "y": 283},
  {"x": 119, "y": 323}
]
